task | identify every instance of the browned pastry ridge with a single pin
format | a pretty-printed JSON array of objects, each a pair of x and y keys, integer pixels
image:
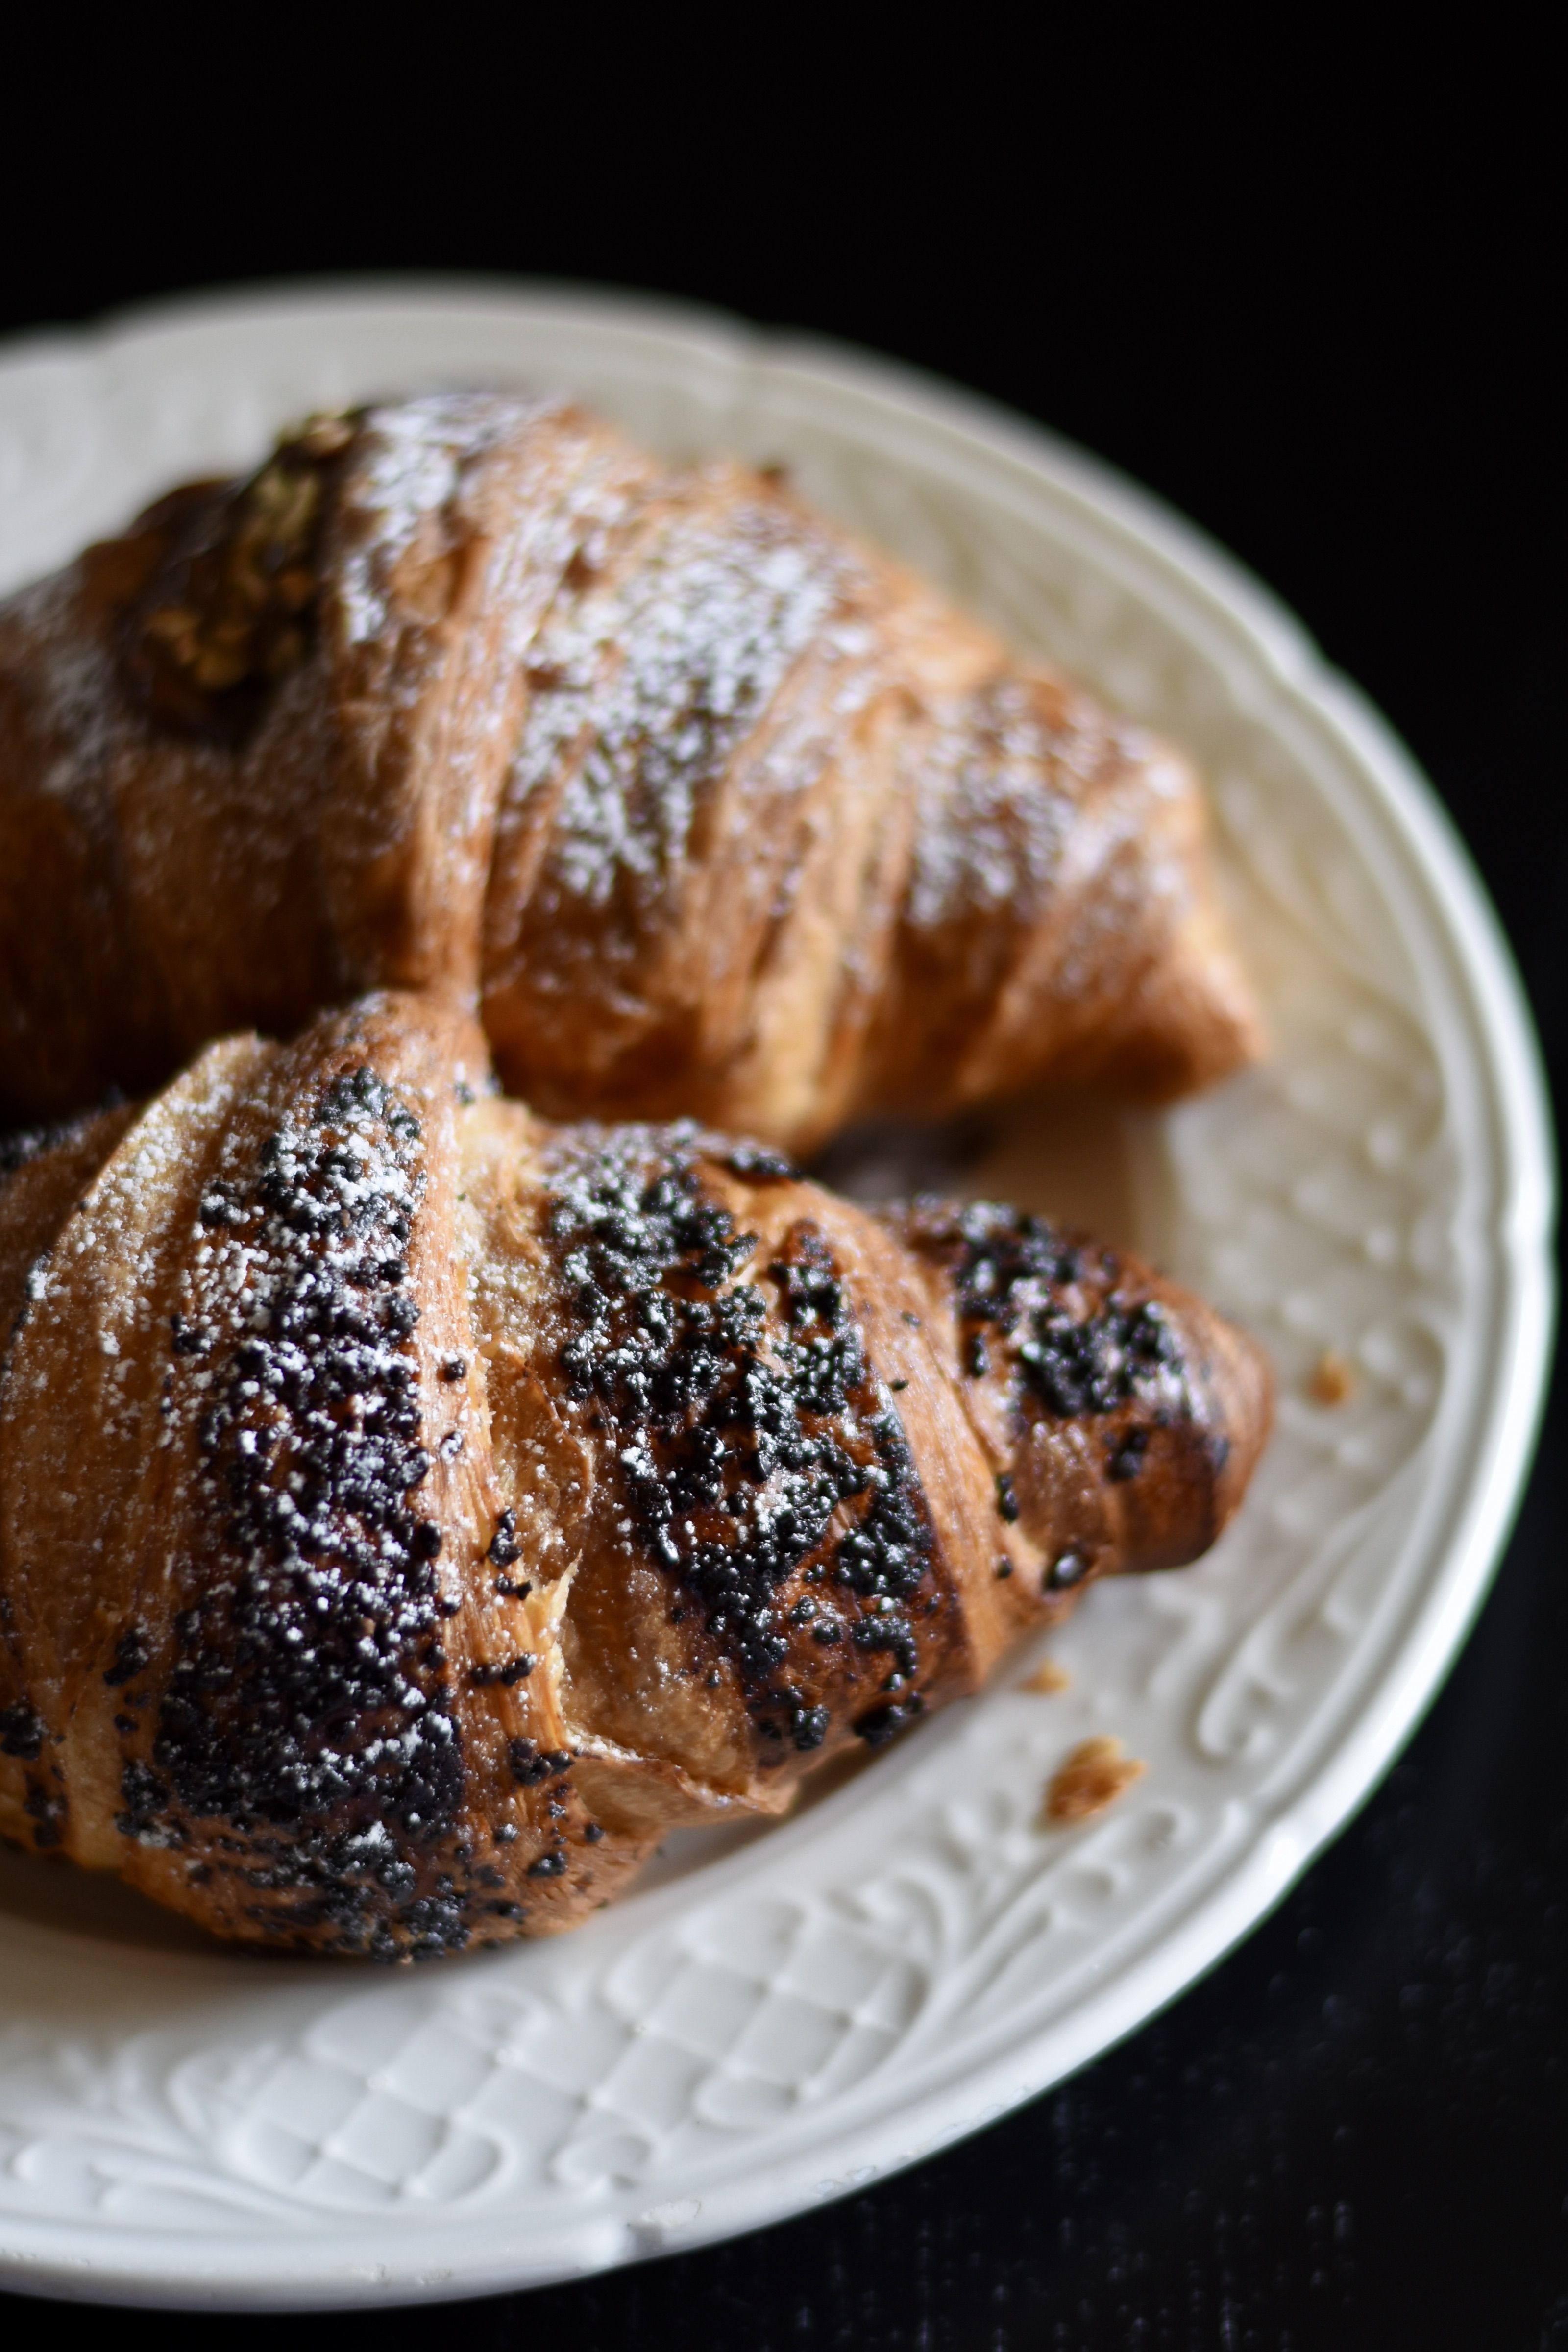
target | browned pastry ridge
[
  {"x": 721, "y": 813},
  {"x": 409, "y": 1511}
]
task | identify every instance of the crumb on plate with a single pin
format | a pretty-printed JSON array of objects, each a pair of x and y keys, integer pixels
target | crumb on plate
[
  {"x": 1094, "y": 1776},
  {"x": 1047, "y": 1676},
  {"x": 1332, "y": 1378}
]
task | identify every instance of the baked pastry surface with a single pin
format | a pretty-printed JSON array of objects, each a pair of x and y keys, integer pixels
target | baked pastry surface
[
  {"x": 714, "y": 811},
  {"x": 410, "y": 1509}
]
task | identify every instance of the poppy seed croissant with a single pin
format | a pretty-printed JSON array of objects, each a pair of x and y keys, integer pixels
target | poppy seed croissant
[{"x": 409, "y": 1509}]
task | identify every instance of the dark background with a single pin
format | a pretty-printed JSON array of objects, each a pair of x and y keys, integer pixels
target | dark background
[{"x": 1304, "y": 295}]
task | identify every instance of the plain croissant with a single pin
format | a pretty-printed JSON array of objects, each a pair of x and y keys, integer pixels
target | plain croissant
[
  {"x": 409, "y": 1511},
  {"x": 721, "y": 813}
]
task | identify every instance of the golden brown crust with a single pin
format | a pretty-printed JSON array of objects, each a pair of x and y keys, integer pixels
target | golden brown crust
[
  {"x": 410, "y": 1511},
  {"x": 43, "y": 1170},
  {"x": 186, "y": 857},
  {"x": 785, "y": 838},
  {"x": 720, "y": 812}
]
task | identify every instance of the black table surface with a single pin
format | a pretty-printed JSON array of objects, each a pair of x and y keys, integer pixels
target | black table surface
[{"x": 1320, "y": 329}]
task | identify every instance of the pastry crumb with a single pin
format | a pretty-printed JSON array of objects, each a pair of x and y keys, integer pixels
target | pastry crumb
[
  {"x": 1094, "y": 1776},
  {"x": 1047, "y": 1676},
  {"x": 1332, "y": 1378}
]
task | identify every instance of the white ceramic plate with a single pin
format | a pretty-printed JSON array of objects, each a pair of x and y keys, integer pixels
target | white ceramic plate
[{"x": 779, "y": 2019}]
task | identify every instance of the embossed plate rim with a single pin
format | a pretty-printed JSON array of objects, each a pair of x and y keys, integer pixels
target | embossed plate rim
[{"x": 360, "y": 2260}]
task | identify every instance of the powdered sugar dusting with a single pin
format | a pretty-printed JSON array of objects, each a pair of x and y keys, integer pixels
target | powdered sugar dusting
[
  {"x": 767, "y": 1474},
  {"x": 652, "y": 685},
  {"x": 307, "y": 1696},
  {"x": 412, "y": 459},
  {"x": 992, "y": 816}
]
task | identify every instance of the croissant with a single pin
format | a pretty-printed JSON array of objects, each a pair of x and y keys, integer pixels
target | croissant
[
  {"x": 410, "y": 1509},
  {"x": 716, "y": 812}
]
